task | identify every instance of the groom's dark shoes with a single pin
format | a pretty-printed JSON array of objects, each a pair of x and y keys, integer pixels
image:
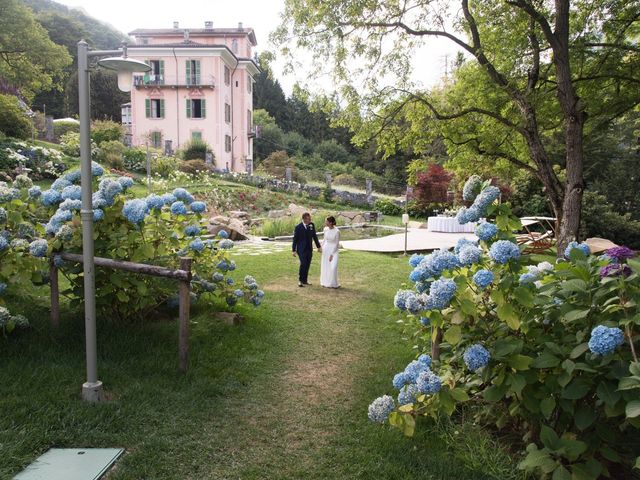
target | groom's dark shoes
[{"x": 300, "y": 284}]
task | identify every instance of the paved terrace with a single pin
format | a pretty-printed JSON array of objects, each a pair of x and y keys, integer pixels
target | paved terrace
[{"x": 418, "y": 240}]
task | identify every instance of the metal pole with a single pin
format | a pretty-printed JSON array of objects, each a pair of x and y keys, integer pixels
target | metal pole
[
  {"x": 406, "y": 230},
  {"x": 92, "y": 388}
]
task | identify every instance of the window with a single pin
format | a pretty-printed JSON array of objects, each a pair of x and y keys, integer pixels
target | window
[
  {"x": 227, "y": 113},
  {"x": 193, "y": 72},
  {"x": 249, "y": 83},
  {"x": 227, "y": 143},
  {"x": 196, "y": 135},
  {"x": 234, "y": 45},
  {"x": 196, "y": 108},
  {"x": 154, "y": 108},
  {"x": 156, "y": 74},
  {"x": 249, "y": 121},
  {"x": 156, "y": 139},
  {"x": 227, "y": 75}
]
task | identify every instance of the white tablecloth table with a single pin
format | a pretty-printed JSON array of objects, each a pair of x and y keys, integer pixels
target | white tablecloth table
[{"x": 449, "y": 225}]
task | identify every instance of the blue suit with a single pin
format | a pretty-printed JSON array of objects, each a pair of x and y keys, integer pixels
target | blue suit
[{"x": 303, "y": 236}]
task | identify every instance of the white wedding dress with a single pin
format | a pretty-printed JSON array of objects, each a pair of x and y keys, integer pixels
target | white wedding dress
[{"x": 329, "y": 269}]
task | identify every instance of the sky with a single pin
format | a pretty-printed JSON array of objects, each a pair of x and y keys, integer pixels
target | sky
[{"x": 261, "y": 15}]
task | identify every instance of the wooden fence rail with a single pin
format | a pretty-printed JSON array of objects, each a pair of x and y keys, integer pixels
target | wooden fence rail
[{"x": 182, "y": 275}]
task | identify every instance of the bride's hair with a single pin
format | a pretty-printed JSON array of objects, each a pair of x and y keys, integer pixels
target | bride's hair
[{"x": 331, "y": 220}]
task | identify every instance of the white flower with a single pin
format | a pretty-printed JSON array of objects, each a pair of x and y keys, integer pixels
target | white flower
[{"x": 545, "y": 267}]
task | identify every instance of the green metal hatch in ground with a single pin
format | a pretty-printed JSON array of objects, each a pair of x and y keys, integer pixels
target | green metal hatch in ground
[{"x": 71, "y": 464}]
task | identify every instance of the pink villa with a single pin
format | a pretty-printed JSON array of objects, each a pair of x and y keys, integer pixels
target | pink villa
[{"x": 199, "y": 87}]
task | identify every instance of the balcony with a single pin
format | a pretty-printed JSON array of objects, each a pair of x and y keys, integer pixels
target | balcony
[
  {"x": 164, "y": 81},
  {"x": 252, "y": 132}
]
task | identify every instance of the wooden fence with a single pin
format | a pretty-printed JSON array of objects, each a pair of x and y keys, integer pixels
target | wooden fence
[{"x": 182, "y": 276}]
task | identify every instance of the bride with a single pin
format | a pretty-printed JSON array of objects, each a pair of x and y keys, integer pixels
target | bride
[{"x": 330, "y": 245}]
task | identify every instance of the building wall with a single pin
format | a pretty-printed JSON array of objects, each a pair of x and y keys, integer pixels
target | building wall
[{"x": 175, "y": 125}]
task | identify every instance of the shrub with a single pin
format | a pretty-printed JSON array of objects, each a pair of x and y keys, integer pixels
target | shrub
[
  {"x": 164, "y": 166},
  {"x": 13, "y": 119},
  {"x": 278, "y": 227},
  {"x": 193, "y": 167},
  {"x": 277, "y": 163},
  {"x": 600, "y": 220},
  {"x": 195, "y": 149},
  {"x": 60, "y": 128},
  {"x": 106, "y": 131},
  {"x": 432, "y": 185},
  {"x": 155, "y": 230},
  {"x": 111, "y": 153},
  {"x": 347, "y": 179},
  {"x": 332, "y": 151},
  {"x": 43, "y": 162},
  {"x": 542, "y": 350},
  {"x": 135, "y": 159},
  {"x": 387, "y": 207},
  {"x": 70, "y": 143}
]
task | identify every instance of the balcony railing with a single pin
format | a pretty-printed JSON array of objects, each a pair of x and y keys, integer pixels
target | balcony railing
[{"x": 157, "y": 80}]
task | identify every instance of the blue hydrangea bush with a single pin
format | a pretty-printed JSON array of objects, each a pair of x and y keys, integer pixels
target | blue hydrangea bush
[
  {"x": 156, "y": 229},
  {"x": 544, "y": 349}
]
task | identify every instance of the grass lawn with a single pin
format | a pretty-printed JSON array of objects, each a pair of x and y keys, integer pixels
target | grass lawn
[{"x": 282, "y": 396}]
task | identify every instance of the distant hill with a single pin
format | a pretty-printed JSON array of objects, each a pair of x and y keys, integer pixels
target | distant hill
[{"x": 99, "y": 34}]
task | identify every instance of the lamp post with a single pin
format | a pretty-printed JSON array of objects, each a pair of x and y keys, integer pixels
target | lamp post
[
  {"x": 405, "y": 220},
  {"x": 92, "y": 388}
]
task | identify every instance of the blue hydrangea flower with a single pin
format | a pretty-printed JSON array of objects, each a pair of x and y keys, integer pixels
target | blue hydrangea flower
[
  {"x": 230, "y": 281},
  {"x": 415, "y": 259},
  {"x": 3, "y": 216},
  {"x": 238, "y": 293},
  {"x": 487, "y": 196},
  {"x": 439, "y": 261},
  {"x": 232, "y": 265},
  {"x": 3, "y": 288},
  {"x": 154, "y": 202},
  {"x": 225, "y": 244},
  {"x": 109, "y": 189},
  {"x": 485, "y": 231},
  {"x": 51, "y": 197},
  {"x": 583, "y": 247},
  {"x": 425, "y": 321},
  {"x": 526, "y": 278},
  {"x": 429, "y": 383},
  {"x": 468, "y": 215},
  {"x": 381, "y": 408},
  {"x": 4, "y": 244},
  {"x": 223, "y": 234},
  {"x": 125, "y": 182},
  {"x": 471, "y": 188},
  {"x": 425, "y": 360},
  {"x": 98, "y": 201},
  {"x": 168, "y": 198},
  {"x": 503, "y": 250},
  {"x": 476, "y": 357},
  {"x": 197, "y": 245},
  {"x": 469, "y": 255},
  {"x": 135, "y": 210},
  {"x": 400, "y": 300},
  {"x": 58, "y": 261},
  {"x": 217, "y": 277},
  {"x": 483, "y": 278},
  {"x": 178, "y": 208},
  {"x": 260, "y": 294},
  {"x": 198, "y": 207},
  {"x": 73, "y": 192},
  {"x": 98, "y": 214},
  {"x": 408, "y": 394},
  {"x": 604, "y": 340},
  {"x": 464, "y": 242},
  {"x": 223, "y": 266},
  {"x": 441, "y": 293},
  {"x": 35, "y": 192},
  {"x": 60, "y": 184},
  {"x": 413, "y": 370},
  {"x": 96, "y": 169},
  {"x": 232, "y": 300},
  {"x": 71, "y": 205},
  {"x": 61, "y": 216},
  {"x": 256, "y": 301},
  {"x": 38, "y": 248},
  {"x": 192, "y": 230},
  {"x": 399, "y": 380},
  {"x": 73, "y": 176},
  {"x": 422, "y": 286},
  {"x": 182, "y": 194}
]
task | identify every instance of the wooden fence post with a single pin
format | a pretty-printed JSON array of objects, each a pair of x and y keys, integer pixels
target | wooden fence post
[
  {"x": 55, "y": 295},
  {"x": 185, "y": 301},
  {"x": 435, "y": 344}
]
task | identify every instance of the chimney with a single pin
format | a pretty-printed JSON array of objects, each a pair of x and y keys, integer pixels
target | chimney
[
  {"x": 208, "y": 24},
  {"x": 186, "y": 36},
  {"x": 239, "y": 25},
  {"x": 176, "y": 25}
]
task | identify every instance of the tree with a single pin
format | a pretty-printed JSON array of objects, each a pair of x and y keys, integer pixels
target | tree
[
  {"x": 545, "y": 69},
  {"x": 13, "y": 119},
  {"x": 332, "y": 151},
  {"x": 432, "y": 186},
  {"x": 106, "y": 98},
  {"x": 268, "y": 94},
  {"x": 29, "y": 60}
]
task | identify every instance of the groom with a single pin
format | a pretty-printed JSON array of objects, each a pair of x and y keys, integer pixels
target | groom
[{"x": 304, "y": 233}]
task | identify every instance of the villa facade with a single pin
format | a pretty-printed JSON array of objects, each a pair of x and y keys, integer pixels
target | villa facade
[{"x": 199, "y": 87}]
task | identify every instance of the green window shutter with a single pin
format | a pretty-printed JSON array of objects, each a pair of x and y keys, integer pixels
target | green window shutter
[
  {"x": 161, "y": 67},
  {"x": 161, "y": 108},
  {"x": 147, "y": 107},
  {"x": 188, "y": 72},
  {"x": 203, "y": 108},
  {"x": 197, "y": 72},
  {"x": 188, "y": 108}
]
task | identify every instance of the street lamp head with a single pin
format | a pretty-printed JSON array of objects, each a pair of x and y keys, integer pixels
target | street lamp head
[{"x": 125, "y": 67}]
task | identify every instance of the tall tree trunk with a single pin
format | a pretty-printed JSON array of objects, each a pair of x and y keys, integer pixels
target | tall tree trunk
[{"x": 574, "y": 119}]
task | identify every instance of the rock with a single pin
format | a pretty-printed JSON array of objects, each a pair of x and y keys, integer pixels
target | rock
[
  {"x": 278, "y": 213},
  {"x": 219, "y": 220},
  {"x": 296, "y": 210},
  {"x": 238, "y": 214},
  {"x": 233, "y": 226},
  {"x": 358, "y": 219}
]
